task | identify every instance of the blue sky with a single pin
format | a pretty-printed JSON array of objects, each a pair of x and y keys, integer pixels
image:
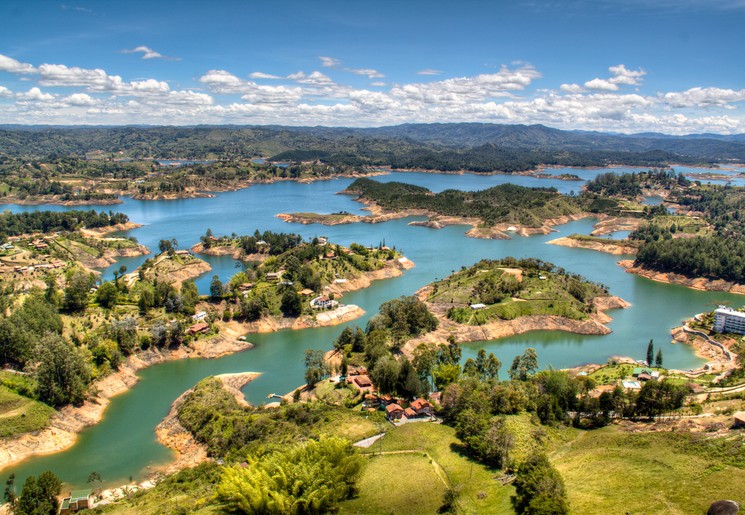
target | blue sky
[{"x": 612, "y": 65}]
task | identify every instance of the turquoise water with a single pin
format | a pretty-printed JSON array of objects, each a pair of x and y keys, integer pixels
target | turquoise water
[{"x": 123, "y": 445}]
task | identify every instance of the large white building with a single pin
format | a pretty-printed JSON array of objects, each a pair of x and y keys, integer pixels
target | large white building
[{"x": 727, "y": 320}]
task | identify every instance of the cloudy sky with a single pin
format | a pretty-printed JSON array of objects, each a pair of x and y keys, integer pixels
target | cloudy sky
[{"x": 674, "y": 66}]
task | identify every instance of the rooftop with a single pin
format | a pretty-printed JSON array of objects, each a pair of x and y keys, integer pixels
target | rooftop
[{"x": 723, "y": 310}]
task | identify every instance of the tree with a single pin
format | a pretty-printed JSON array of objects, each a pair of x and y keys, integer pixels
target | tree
[
  {"x": 524, "y": 365},
  {"x": 650, "y": 353},
  {"x": 292, "y": 304},
  {"x": 216, "y": 289},
  {"x": 316, "y": 367},
  {"x": 308, "y": 478},
  {"x": 539, "y": 488},
  {"x": 166, "y": 246},
  {"x": 10, "y": 490},
  {"x": 146, "y": 299},
  {"x": 39, "y": 497},
  {"x": 76, "y": 292},
  {"x": 658, "y": 359},
  {"x": 107, "y": 294},
  {"x": 189, "y": 296},
  {"x": 385, "y": 374},
  {"x": 63, "y": 373}
]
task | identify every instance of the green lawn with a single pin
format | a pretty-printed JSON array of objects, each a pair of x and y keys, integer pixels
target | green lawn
[
  {"x": 19, "y": 414},
  {"x": 397, "y": 483},
  {"x": 612, "y": 471},
  {"x": 480, "y": 491}
]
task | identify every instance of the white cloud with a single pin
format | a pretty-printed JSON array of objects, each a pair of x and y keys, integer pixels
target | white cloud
[
  {"x": 149, "y": 53},
  {"x": 261, "y": 75},
  {"x": 367, "y": 72},
  {"x": 35, "y": 94},
  {"x": 704, "y": 97},
  {"x": 571, "y": 88},
  {"x": 80, "y": 99},
  {"x": 5, "y": 92},
  {"x": 601, "y": 84},
  {"x": 315, "y": 78},
  {"x": 8, "y": 64},
  {"x": 429, "y": 71},
  {"x": 621, "y": 75},
  {"x": 466, "y": 89},
  {"x": 378, "y": 84},
  {"x": 97, "y": 80},
  {"x": 329, "y": 62}
]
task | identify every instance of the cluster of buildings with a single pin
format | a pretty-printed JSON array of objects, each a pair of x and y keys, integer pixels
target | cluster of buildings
[
  {"x": 641, "y": 375},
  {"x": 418, "y": 409}
]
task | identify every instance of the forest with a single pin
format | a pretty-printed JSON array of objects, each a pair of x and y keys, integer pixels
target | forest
[
  {"x": 15, "y": 224},
  {"x": 506, "y": 203}
]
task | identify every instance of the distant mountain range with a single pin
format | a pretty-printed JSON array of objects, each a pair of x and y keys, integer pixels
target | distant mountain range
[{"x": 370, "y": 145}]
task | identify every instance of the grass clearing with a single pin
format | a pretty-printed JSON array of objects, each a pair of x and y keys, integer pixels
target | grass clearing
[
  {"x": 670, "y": 473},
  {"x": 480, "y": 491},
  {"x": 397, "y": 483},
  {"x": 19, "y": 414}
]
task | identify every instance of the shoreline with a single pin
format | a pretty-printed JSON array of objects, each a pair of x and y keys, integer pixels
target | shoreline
[
  {"x": 608, "y": 248},
  {"x": 62, "y": 432},
  {"x": 98, "y": 232},
  {"x": 593, "y": 325},
  {"x": 435, "y": 220},
  {"x": 696, "y": 283},
  {"x": 170, "y": 433}
]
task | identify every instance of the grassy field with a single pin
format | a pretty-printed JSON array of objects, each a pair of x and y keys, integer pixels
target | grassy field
[
  {"x": 613, "y": 471},
  {"x": 509, "y": 293},
  {"x": 480, "y": 491},
  {"x": 397, "y": 483},
  {"x": 19, "y": 414}
]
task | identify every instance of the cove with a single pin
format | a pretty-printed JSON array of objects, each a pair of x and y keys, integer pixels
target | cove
[{"x": 123, "y": 445}]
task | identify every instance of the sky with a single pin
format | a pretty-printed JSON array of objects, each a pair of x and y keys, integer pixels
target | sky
[{"x": 629, "y": 66}]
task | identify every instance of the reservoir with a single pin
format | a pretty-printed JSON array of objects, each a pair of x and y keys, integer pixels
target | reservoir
[{"x": 123, "y": 445}]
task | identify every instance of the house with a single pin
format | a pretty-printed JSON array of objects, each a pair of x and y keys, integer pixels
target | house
[
  {"x": 371, "y": 401},
  {"x": 644, "y": 376},
  {"x": 201, "y": 327},
  {"x": 183, "y": 253},
  {"x": 436, "y": 397},
  {"x": 394, "y": 412},
  {"x": 306, "y": 292},
  {"x": 245, "y": 286},
  {"x": 478, "y": 306},
  {"x": 201, "y": 315},
  {"x": 274, "y": 277},
  {"x": 421, "y": 408},
  {"x": 410, "y": 413},
  {"x": 78, "y": 500},
  {"x": 323, "y": 302},
  {"x": 362, "y": 383},
  {"x": 739, "y": 420},
  {"x": 356, "y": 371}
]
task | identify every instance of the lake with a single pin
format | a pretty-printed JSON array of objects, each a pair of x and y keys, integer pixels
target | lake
[{"x": 123, "y": 445}]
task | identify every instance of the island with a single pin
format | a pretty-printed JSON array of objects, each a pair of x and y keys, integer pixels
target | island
[{"x": 495, "y": 299}]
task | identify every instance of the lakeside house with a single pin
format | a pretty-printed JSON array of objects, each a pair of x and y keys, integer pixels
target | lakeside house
[
  {"x": 728, "y": 320},
  {"x": 307, "y": 292},
  {"x": 78, "y": 500},
  {"x": 200, "y": 327},
  {"x": 323, "y": 302}
]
